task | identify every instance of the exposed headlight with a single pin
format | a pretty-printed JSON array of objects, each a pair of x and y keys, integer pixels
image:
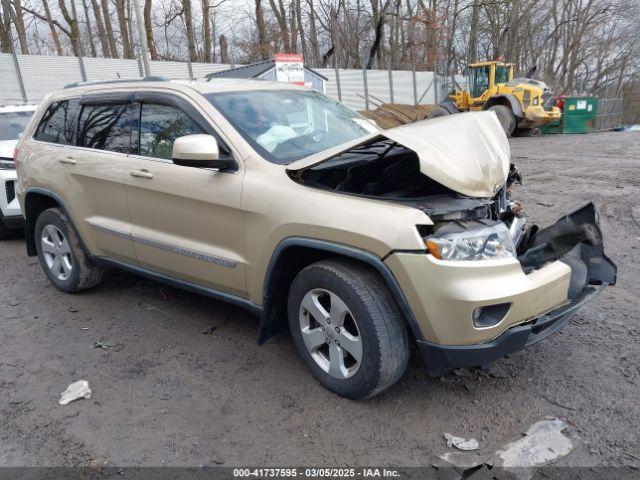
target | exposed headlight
[
  {"x": 481, "y": 244},
  {"x": 7, "y": 165}
]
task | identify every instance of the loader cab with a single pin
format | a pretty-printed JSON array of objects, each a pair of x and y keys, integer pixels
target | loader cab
[{"x": 484, "y": 77}]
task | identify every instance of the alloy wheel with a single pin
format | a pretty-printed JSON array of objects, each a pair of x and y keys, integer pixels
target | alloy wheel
[
  {"x": 56, "y": 252},
  {"x": 330, "y": 333}
]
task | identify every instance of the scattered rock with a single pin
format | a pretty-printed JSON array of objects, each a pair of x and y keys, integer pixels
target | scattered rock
[{"x": 209, "y": 330}]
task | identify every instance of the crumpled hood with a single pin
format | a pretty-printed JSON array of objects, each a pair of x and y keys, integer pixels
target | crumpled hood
[
  {"x": 7, "y": 147},
  {"x": 466, "y": 152}
]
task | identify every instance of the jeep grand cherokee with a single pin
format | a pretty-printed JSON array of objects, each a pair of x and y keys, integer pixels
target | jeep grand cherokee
[{"x": 283, "y": 201}]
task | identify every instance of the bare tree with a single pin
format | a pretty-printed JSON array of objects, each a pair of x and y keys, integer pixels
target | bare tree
[
  {"x": 127, "y": 49},
  {"x": 188, "y": 21},
  {"x": 151, "y": 43},
  {"x": 263, "y": 45},
  {"x": 109, "y": 29}
]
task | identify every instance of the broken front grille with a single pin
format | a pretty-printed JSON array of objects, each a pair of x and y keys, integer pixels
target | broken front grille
[{"x": 10, "y": 188}]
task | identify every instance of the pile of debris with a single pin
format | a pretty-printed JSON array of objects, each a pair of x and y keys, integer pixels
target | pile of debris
[{"x": 390, "y": 115}]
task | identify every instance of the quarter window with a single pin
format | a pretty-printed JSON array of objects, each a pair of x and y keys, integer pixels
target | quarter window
[
  {"x": 58, "y": 124},
  {"x": 106, "y": 127},
  {"x": 160, "y": 125}
]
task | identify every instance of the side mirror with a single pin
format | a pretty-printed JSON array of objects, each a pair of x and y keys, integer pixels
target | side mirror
[{"x": 200, "y": 151}]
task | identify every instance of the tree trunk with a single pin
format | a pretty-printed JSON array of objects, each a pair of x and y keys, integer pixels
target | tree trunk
[
  {"x": 188, "y": 21},
  {"x": 5, "y": 29},
  {"x": 206, "y": 30},
  {"x": 127, "y": 51},
  {"x": 102, "y": 34},
  {"x": 313, "y": 34},
  {"x": 18, "y": 18},
  {"x": 473, "y": 32},
  {"x": 293, "y": 30},
  {"x": 151, "y": 43},
  {"x": 92, "y": 45},
  {"x": 263, "y": 44},
  {"x": 72, "y": 21},
  {"x": 109, "y": 29},
  {"x": 303, "y": 39},
  {"x": 281, "y": 17},
  {"x": 224, "y": 49}
]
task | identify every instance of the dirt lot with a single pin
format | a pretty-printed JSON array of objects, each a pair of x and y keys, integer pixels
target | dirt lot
[{"x": 167, "y": 394}]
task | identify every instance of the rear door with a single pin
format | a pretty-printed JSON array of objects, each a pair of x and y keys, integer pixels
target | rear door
[
  {"x": 87, "y": 140},
  {"x": 186, "y": 222}
]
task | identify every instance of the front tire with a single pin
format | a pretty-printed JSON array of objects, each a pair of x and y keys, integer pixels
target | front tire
[
  {"x": 347, "y": 328},
  {"x": 61, "y": 255},
  {"x": 507, "y": 118}
]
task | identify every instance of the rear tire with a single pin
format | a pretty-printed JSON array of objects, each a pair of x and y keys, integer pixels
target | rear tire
[
  {"x": 507, "y": 118},
  {"x": 61, "y": 255},
  {"x": 347, "y": 328}
]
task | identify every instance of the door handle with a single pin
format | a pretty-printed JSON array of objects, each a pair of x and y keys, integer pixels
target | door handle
[
  {"x": 141, "y": 173},
  {"x": 67, "y": 160}
]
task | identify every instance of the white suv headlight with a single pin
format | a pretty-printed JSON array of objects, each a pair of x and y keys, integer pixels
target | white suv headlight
[{"x": 481, "y": 244}]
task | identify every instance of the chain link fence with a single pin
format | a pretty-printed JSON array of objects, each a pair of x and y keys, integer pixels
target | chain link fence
[{"x": 609, "y": 115}]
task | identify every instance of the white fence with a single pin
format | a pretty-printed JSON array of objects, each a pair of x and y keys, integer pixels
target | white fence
[{"x": 42, "y": 74}]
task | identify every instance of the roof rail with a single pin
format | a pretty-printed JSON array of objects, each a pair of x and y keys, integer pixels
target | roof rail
[{"x": 151, "y": 78}]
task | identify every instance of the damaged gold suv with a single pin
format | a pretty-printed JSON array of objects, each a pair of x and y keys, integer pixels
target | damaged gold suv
[{"x": 278, "y": 199}]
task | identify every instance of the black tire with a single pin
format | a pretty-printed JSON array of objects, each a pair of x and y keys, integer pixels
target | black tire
[
  {"x": 83, "y": 273},
  {"x": 439, "y": 111},
  {"x": 382, "y": 330},
  {"x": 4, "y": 233},
  {"x": 507, "y": 119}
]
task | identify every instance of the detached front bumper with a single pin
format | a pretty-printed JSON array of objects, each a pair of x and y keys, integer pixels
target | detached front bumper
[{"x": 559, "y": 268}]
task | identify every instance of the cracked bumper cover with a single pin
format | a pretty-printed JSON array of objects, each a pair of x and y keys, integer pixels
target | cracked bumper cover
[{"x": 559, "y": 269}]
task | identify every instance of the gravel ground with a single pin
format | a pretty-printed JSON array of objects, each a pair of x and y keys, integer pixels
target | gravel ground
[{"x": 165, "y": 393}]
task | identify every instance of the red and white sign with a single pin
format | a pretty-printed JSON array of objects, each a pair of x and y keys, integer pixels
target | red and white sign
[{"x": 290, "y": 68}]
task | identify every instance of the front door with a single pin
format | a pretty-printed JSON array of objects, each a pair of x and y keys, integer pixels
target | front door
[{"x": 186, "y": 222}]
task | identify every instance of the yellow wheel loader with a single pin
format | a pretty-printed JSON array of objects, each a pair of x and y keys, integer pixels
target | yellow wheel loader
[{"x": 520, "y": 103}]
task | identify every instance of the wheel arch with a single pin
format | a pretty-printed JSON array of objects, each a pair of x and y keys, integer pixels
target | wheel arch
[
  {"x": 36, "y": 201},
  {"x": 295, "y": 253},
  {"x": 508, "y": 100}
]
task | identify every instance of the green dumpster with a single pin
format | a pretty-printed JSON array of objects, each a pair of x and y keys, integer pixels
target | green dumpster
[{"x": 578, "y": 116}]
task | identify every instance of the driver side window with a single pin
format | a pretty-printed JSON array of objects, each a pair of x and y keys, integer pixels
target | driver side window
[{"x": 160, "y": 125}]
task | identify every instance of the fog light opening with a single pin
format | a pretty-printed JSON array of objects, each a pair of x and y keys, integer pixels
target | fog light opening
[{"x": 489, "y": 315}]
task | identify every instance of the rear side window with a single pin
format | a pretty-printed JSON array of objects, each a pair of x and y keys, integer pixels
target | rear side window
[
  {"x": 160, "y": 125},
  {"x": 105, "y": 127},
  {"x": 58, "y": 124}
]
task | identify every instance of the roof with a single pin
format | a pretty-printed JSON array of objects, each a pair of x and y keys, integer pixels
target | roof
[
  {"x": 202, "y": 86},
  {"x": 18, "y": 108},
  {"x": 253, "y": 70}
]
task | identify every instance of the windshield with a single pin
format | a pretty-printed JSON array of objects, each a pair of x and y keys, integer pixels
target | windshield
[
  {"x": 287, "y": 125},
  {"x": 12, "y": 124}
]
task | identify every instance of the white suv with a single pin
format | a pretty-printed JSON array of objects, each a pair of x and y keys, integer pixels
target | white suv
[{"x": 13, "y": 120}]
